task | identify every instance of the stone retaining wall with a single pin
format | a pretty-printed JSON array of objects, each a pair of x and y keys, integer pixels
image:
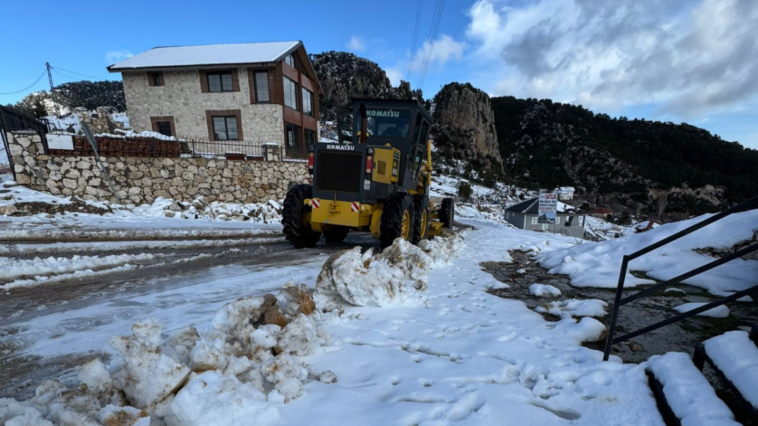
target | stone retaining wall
[{"x": 141, "y": 180}]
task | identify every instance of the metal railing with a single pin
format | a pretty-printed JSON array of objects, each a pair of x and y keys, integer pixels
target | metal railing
[
  {"x": 231, "y": 150},
  {"x": 618, "y": 301}
]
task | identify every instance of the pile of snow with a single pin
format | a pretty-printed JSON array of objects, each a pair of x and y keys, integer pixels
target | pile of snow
[
  {"x": 598, "y": 264},
  {"x": 717, "y": 312},
  {"x": 543, "y": 290},
  {"x": 597, "y": 229},
  {"x": 688, "y": 393},
  {"x": 394, "y": 277},
  {"x": 248, "y": 360},
  {"x": 575, "y": 308},
  {"x": 199, "y": 208}
]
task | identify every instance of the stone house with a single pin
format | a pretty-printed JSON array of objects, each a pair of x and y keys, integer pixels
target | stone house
[
  {"x": 525, "y": 215},
  {"x": 565, "y": 192},
  {"x": 254, "y": 92}
]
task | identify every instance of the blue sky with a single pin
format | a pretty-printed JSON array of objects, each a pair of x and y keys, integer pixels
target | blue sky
[{"x": 693, "y": 61}]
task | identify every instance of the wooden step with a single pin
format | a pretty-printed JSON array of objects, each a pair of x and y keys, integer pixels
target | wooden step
[
  {"x": 683, "y": 394},
  {"x": 734, "y": 358}
]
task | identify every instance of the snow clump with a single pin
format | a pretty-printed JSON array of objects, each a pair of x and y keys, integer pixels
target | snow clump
[
  {"x": 543, "y": 290},
  {"x": 394, "y": 277},
  {"x": 248, "y": 359}
]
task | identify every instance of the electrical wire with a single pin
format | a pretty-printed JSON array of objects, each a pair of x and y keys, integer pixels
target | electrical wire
[
  {"x": 413, "y": 43},
  {"x": 436, "y": 27},
  {"x": 26, "y": 88},
  {"x": 78, "y": 73}
]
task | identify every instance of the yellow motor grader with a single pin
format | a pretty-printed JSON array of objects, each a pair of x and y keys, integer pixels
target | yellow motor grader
[{"x": 375, "y": 178}]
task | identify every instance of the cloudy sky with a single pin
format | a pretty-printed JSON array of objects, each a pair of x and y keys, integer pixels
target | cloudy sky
[{"x": 693, "y": 61}]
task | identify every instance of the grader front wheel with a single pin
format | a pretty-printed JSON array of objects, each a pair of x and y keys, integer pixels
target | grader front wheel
[{"x": 422, "y": 218}]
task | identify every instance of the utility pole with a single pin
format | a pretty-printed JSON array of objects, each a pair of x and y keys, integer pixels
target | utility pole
[{"x": 52, "y": 88}]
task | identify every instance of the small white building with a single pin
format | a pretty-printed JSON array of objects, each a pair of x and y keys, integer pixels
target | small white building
[{"x": 565, "y": 192}]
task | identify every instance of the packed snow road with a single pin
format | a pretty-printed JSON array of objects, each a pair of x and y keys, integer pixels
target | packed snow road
[{"x": 52, "y": 322}]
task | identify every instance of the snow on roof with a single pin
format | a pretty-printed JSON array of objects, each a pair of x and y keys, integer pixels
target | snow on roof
[{"x": 212, "y": 54}]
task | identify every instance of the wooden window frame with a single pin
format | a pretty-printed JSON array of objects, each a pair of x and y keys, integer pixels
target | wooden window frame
[
  {"x": 299, "y": 138},
  {"x": 209, "y": 114},
  {"x": 305, "y": 138},
  {"x": 151, "y": 78},
  {"x": 312, "y": 107},
  {"x": 155, "y": 120},
  {"x": 285, "y": 79},
  {"x": 205, "y": 86},
  {"x": 255, "y": 73}
]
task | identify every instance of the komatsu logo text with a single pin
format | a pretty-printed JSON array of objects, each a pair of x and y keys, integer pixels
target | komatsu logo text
[{"x": 341, "y": 147}]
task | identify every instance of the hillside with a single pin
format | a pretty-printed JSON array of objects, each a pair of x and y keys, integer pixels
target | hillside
[
  {"x": 87, "y": 94},
  {"x": 547, "y": 144},
  {"x": 344, "y": 76}
]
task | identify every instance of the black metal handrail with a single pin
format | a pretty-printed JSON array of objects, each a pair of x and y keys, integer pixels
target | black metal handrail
[{"x": 618, "y": 301}]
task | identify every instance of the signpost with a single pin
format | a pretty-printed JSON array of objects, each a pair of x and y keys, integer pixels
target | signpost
[{"x": 548, "y": 208}]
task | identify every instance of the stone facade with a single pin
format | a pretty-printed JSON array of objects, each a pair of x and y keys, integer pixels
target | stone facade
[
  {"x": 141, "y": 180},
  {"x": 181, "y": 97}
]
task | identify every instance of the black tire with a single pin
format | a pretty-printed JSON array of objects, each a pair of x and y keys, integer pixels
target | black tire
[
  {"x": 391, "y": 226},
  {"x": 336, "y": 235},
  {"x": 420, "y": 223},
  {"x": 295, "y": 231},
  {"x": 447, "y": 213}
]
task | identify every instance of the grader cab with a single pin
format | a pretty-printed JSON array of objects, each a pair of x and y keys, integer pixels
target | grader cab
[{"x": 375, "y": 178}]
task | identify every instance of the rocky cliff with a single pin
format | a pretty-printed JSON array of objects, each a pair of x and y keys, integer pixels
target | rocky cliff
[
  {"x": 464, "y": 128},
  {"x": 344, "y": 76}
]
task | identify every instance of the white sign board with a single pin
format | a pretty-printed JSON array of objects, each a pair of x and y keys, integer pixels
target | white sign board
[
  {"x": 548, "y": 208},
  {"x": 60, "y": 141}
]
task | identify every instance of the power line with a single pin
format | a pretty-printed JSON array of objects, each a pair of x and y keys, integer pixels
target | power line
[
  {"x": 413, "y": 43},
  {"x": 78, "y": 73},
  {"x": 27, "y": 88},
  {"x": 437, "y": 14}
]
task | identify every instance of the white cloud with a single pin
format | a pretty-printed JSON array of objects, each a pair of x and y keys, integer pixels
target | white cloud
[
  {"x": 444, "y": 49},
  {"x": 117, "y": 56},
  {"x": 356, "y": 44},
  {"x": 689, "y": 59},
  {"x": 395, "y": 75}
]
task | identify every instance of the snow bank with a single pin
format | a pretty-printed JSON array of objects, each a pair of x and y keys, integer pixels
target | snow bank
[
  {"x": 11, "y": 268},
  {"x": 717, "y": 312},
  {"x": 688, "y": 393},
  {"x": 737, "y": 357},
  {"x": 543, "y": 290},
  {"x": 199, "y": 208},
  {"x": 598, "y": 264},
  {"x": 234, "y": 373},
  {"x": 394, "y": 277}
]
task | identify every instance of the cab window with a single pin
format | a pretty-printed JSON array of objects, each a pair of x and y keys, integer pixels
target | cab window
[{"x": 386, "y": 122}]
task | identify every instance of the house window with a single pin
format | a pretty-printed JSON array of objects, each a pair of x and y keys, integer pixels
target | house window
[
  {"x": 293, "y": 135},
  {"x": 569, "y": 220},
  {"x": 310, "y": 137},
  {"x": 580, "y": 220},
  {"x": 307, "y": 102},
  {"x": 225, "y": 128},
  {"x": 535, "y": 220},
  {"x": 164, "y": 128},
  {"x": 557, "y": 220},
  {"x": 290, "y": 60},
  {"x": 220, "y": 82},
  {"x": 155, "y": 78},
  {"x": 261, "y": 87},
  {"x": 290, "y": 93}
]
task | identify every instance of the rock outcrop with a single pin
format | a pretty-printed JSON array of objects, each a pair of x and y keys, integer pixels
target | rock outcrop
[{"x": 464, "y": 127}]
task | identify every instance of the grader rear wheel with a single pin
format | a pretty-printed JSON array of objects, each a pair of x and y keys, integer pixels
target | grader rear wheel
[
  {"x": 295, "y": 217},
  {"x": 397, "y": 218}
]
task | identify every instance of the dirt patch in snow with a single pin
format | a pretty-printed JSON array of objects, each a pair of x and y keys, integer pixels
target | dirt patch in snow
[
  {"x": 681, "y": 336},
  {"x": 76, "y": 206}
]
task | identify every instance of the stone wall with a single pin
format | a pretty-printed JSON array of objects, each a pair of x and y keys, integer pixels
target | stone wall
[
  {"x": 181, "y": 98},
  {"x": 141, "y": 180}
]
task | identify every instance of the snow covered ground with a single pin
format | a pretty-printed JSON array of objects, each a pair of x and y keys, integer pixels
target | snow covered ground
[{"x": 456, "y": 354}]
